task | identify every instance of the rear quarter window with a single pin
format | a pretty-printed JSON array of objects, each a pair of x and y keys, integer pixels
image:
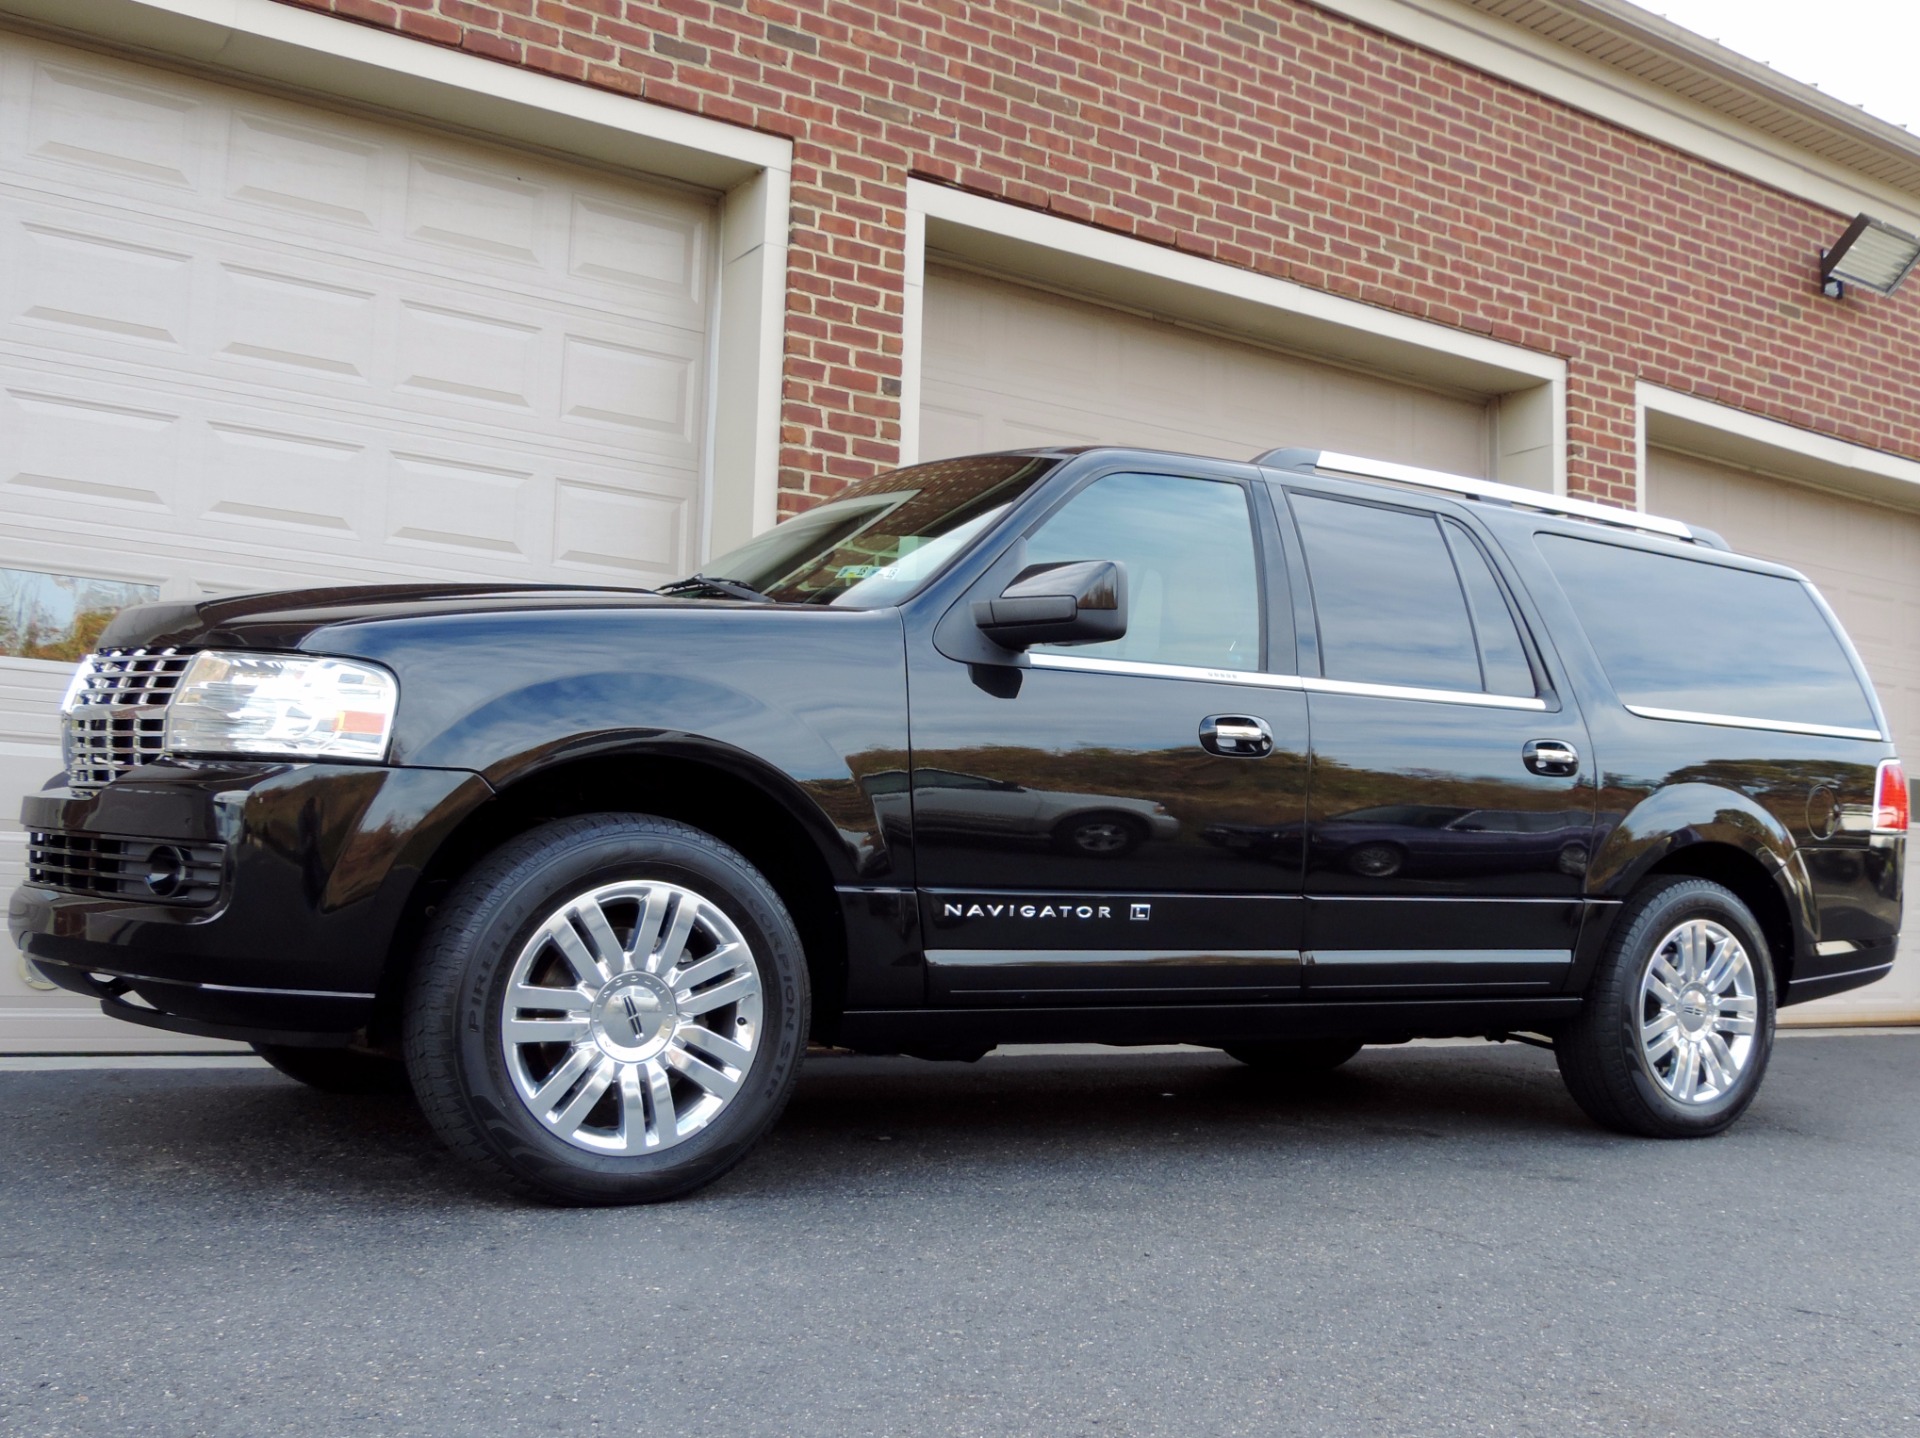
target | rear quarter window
[{"x": 1703, "y": 638}]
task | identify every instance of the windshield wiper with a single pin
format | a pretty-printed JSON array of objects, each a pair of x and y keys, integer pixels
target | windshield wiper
[{"x": 732, "y": 588}]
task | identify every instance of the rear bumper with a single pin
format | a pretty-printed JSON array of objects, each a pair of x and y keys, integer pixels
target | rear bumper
[
  {"x": 1842, "y": 967},
  {"x": 317, "y": 865}
]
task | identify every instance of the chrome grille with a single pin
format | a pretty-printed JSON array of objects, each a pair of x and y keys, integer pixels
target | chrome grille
[
  {"x": 119, "y": 715},
  {"x": 117, "y": 866}
]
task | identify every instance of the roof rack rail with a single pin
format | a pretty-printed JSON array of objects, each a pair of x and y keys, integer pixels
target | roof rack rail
[{"x": 1329, "y": 462}]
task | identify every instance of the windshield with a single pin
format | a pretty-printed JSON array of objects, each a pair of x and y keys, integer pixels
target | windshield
[{"x": 882, "y": 538}]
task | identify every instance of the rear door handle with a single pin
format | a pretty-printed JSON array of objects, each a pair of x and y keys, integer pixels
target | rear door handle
[
  {"x": 1236, "y": 736},
  {"x": 1550, "y": 756}
]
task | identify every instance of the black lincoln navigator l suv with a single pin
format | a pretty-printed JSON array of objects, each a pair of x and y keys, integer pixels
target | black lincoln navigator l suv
[{"x": 1283, "y": 757}]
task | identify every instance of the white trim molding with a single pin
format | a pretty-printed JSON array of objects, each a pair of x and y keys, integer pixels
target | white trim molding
[
  {"x": 1526, "y": 388},
  {"x": 328, "y": 59},
  {"x": 1669, "y": 420}
]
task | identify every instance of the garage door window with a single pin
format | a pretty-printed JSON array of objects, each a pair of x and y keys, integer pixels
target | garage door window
[
  {"x": 59, "y": 616},
  {"x": 1193, "y": 586}
]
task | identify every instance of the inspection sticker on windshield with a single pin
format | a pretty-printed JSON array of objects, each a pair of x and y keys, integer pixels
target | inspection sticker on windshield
[{"x": 858, "y": 571}]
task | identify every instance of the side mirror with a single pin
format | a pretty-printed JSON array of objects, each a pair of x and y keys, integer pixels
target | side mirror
[{"x": 1083, "y": 601}]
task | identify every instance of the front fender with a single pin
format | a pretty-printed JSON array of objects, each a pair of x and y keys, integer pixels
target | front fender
[{"x": 802, "y": 703}]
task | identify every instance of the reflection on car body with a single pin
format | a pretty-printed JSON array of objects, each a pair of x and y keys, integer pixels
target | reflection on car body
[
  {"x": 1388, "y": 840},
  {"x": 1092, "y": 825}
]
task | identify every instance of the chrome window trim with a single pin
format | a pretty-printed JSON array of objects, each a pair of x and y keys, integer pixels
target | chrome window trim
[
  {"x": 1434, "y": 696},
  {"x": 1086, "y": 665},
  {"x": 1740, "y": 721}
]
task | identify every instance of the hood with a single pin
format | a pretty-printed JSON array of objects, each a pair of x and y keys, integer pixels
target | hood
[{"x": 282, "y": 619}]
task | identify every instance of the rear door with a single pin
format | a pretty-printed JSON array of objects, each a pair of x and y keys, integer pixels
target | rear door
[{"x": 1451, "y": 811}]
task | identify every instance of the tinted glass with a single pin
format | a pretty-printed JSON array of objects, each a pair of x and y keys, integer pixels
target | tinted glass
[
  {"x": 1193, "y": 588},
  {"x": 881, "y": 539},
  {"x": 1387, "y": 595},
  {"x": 1503, "y": 658},
  {"x": 1682, "y": 634}
]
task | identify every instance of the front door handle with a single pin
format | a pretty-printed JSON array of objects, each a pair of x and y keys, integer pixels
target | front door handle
[
  {"x": 1550, "y": 756},
  {"x": 1236, "y": 736}
]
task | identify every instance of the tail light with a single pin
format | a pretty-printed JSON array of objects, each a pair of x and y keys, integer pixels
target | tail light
[{"x": 1890, "y": 810}]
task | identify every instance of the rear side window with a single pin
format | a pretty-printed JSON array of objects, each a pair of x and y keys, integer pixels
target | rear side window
[
  {"x": 1701, "y": 638},
  {"x": 1403, "y": 599}
]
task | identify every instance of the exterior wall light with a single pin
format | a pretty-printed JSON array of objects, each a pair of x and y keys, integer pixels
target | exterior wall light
[{"x": 1871, "y": 254}]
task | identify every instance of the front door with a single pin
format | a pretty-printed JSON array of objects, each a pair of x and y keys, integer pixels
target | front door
[
  {"x": 1452, "y": 808},
  {"x": 1122, "y": 822}
]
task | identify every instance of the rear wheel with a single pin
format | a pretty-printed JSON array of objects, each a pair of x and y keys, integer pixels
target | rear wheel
[
  {"x": 337, "y": 1070},
  {"x": 609, "y": 1009},
  {"x": 1678, "y": 1023},
  {"x": 1300, "y": 1057}
]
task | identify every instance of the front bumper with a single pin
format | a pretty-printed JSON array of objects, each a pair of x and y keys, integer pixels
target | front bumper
[{"x": 317, "y": 863}]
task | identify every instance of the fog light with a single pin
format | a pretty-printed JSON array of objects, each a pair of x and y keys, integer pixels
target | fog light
[{"x": 166, "y": 871}]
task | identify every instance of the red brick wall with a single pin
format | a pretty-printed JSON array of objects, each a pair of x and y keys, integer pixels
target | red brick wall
[{"x": 1272, "y": 136}]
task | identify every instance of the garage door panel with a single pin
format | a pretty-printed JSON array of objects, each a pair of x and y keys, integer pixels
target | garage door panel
[
  {"x": 239, "y": 314},
  {"x": 96, "y": 118},
  {"x": 304, "y": 170},
  {"x": 322, "y": 491},
  {"x": 1005, "y": 366},
  {"x": 1865, "y": 558},
  {"x": 250, "y": 343},
  {"x": 267, "y": 317},
  {"x": 386, "y": 194}
]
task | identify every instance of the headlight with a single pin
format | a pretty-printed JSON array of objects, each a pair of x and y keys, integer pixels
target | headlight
[
  {"x": 282, "y": 705},
  {"x": 77, "y": 685}
]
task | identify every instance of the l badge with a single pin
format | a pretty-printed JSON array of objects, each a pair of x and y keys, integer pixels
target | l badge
[{"x": 1141, "y": 911}]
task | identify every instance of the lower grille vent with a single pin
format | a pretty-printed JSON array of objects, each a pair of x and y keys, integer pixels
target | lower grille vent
[{"x": 111, "y": 866}]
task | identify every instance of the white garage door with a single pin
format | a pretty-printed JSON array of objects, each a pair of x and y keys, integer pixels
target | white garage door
[
  {"x": 247, "y": 343},
  {"x": 1007, "y": 367},
  {"x": 1866, "y": 559}
]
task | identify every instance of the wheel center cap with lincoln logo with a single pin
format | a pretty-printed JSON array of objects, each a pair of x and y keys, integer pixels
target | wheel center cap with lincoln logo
[
  {"x": 633, "y": 1017},
  {"x": 1695, "y": 1009}
]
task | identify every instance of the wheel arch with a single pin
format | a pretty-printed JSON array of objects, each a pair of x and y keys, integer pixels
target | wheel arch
[
  {"x": 1754, "y": 886},
  {"x": 1707, "y": 832},
  {"x": 767, "y": 818}
]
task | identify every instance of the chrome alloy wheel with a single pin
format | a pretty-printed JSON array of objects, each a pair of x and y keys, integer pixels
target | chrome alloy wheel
[
  {"x": 1699, "y": 1007},
  {"x": 631, "y": 1017}
]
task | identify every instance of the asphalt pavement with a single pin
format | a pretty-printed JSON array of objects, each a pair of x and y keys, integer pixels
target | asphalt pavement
[{"x": 1431, "y": 1241}]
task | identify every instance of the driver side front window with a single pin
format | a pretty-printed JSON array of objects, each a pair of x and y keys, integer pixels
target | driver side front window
[{"x": 1193, "y": 586}]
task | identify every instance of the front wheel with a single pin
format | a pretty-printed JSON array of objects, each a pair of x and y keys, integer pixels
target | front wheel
[
  {"x": 1677, "y": 1026},
  {"x": 609, "y": 1009}
]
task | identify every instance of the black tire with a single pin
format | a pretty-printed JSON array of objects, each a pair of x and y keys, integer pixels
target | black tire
[
  {"x": 1377, "y": 861},
  {"x": 337, "y": 1070},
  {"x": 1099, "y": 836},
  {"x": 458, "y": 1059},
  {"x": 1299, "y": 1057},
  {"x": 1600, "y": 1052}
]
